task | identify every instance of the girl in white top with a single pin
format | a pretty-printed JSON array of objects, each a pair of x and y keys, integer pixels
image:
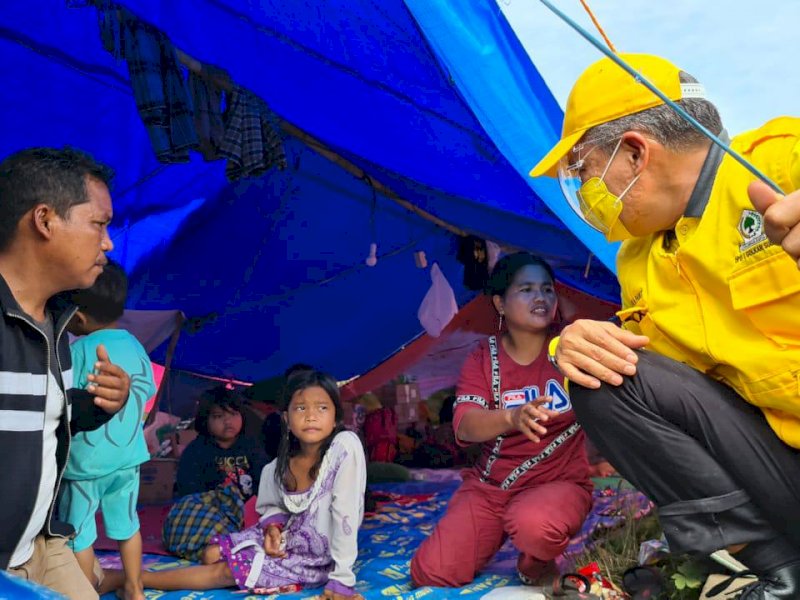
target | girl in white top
[{"x": 311, "y": 499}]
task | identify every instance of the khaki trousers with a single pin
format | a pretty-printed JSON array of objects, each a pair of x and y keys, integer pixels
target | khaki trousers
[{"x": 53, "y": 565}]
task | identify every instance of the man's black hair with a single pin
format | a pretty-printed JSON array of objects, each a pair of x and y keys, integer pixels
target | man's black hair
[{"x": 52, "y": 176}]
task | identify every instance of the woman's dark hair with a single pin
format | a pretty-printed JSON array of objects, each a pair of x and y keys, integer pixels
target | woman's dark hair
[
  {"x": 446, "y": 412},
  {"x": 290, "y": 445},
  {"x": 220, "y": 397},
  {"x": 295, "y": 368},
  {"x": 507, "y": 268}
]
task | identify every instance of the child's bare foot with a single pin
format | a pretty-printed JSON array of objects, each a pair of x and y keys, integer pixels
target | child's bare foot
[
  {"x": 132, "y": 590},
  {"x": 113, "y": 579}
]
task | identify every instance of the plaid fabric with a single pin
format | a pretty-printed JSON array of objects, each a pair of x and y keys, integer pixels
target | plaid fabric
[
  {"x": 207, "y": 101},
  {"x": 110, "y": 23},
  {"x": 159, "y": 88},
  {"x": 252, "y": 143},
  {"x": 195, "y": 518}
]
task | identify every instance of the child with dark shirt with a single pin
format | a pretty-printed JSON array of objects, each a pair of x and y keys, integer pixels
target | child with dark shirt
[
  {"x": 220, "y": 451},
  {"x": 217, "y": 473}
]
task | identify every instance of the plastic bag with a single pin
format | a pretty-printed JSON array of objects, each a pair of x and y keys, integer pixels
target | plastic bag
[{"x": 439, "y": 305}]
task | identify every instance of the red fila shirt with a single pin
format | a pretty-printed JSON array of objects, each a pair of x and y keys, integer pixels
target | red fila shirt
[{"x": 491, "y": 379}]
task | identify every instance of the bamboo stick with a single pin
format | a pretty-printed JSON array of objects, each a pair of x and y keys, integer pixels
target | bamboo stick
[{"x": 225, "y": 83}]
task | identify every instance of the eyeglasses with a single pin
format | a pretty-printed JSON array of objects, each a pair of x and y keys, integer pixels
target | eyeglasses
[
  {"x": 572, "y": 170},
  {"x": 569, "y": 175}
]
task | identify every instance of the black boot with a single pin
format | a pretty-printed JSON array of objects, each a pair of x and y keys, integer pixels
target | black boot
[
  {"x": 780, "y": 583},
  {"x": 776, "y": 563}
]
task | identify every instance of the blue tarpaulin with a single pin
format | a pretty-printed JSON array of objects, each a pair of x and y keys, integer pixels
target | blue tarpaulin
[{"x": 270, "y": 271}]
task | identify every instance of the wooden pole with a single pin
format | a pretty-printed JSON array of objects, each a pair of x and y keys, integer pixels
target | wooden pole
[{"x": 163, "y": 388}]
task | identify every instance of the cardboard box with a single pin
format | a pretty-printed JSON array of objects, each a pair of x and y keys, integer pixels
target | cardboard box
[
  {"x": 157, "y": 480},
  {"x": 406, "y": 413},
  {"x": 407, "y": 393},
  {"x": 392, "y": 395}
]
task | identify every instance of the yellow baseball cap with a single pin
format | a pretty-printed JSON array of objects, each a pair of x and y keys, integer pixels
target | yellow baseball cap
[{"x": 605, "y": 92}]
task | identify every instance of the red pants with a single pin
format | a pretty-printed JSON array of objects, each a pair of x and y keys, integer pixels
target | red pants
[{"x": 540, "y": 521}]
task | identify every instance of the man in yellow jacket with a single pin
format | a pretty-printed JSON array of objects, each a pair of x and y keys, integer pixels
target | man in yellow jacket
[{"x": 695, "y": 398}]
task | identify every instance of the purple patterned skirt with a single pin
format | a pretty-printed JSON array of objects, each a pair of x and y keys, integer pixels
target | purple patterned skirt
[{"x": 307, "y": 561}]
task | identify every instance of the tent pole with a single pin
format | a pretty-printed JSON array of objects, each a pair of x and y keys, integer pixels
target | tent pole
[
  {"x": 225, "y": 83},
  {"x": 358, "y": 172},
  {"x": 162, "y": 389}
]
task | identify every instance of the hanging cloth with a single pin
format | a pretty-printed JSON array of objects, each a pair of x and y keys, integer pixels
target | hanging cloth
[
  {"x": 252, "y": 143},
  {"x": 159, "y": 88},
  {"x": 207, "y": 102},
  {"x": 473, "y": 255}
]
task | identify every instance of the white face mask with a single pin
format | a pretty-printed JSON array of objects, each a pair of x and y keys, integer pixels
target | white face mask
[{"x": 592, "y": 200}]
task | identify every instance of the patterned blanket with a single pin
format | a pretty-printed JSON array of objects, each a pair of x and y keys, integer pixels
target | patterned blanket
[{"x": 407, "y": 514}]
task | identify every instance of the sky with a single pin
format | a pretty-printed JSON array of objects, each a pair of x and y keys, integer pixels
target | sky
[{"x": 743, "y": 51}]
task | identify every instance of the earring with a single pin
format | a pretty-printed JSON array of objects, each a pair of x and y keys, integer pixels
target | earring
[{"x": 500, "y": 324}]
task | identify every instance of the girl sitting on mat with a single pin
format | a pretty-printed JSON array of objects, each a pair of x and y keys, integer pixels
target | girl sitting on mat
[
  {"x": 531, "y": 482},
  {"x": 311, "y": 502}
]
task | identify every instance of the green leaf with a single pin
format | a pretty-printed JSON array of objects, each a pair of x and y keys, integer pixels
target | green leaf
[
  {"x": 679, "y": 581},
  {"x": 692, "y": 574}
]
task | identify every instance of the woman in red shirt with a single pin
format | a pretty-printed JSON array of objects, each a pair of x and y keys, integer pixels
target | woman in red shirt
[{"x": 531, "y": 482}]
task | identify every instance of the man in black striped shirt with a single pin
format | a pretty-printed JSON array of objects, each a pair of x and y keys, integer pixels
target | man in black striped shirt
[{"x": 55, "y": 208}]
